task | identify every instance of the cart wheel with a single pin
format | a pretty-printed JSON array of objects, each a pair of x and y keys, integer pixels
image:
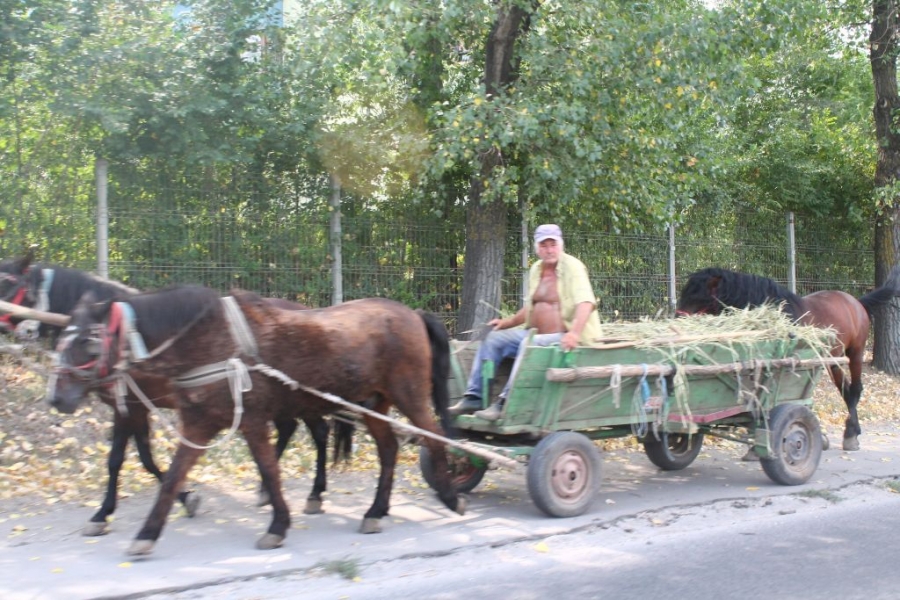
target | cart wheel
[
  {"x": 796, "y": 441},
  {"x": 464, "y": 474},
  {"x": 564, "y": 474},
  {"x": 672, "y": 451}
]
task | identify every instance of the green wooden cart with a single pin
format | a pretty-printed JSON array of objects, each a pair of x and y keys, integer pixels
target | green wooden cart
[{"x": 668, "y": 396}]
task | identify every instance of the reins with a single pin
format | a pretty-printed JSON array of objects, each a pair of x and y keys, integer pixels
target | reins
[{"x": 233, "y": 369}]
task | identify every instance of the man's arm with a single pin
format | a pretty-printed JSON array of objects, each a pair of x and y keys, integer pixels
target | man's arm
[
  {"x": 582, "y": 312},
  {"x": 513, "y": 321}
]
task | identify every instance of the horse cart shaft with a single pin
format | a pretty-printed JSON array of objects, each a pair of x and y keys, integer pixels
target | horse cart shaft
[{"x": 668, "y": 395}]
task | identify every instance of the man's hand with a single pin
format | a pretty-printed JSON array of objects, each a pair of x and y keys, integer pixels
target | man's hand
[{"x": 569, "y": 341}]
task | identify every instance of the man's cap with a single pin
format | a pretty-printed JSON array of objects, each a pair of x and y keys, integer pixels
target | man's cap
[{"x": 548, "y": 231}]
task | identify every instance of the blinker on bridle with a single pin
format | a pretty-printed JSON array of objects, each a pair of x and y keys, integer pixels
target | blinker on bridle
[{"x": 100, "y": 344}]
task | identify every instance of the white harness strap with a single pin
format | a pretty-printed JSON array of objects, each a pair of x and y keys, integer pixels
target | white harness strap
[
  {"x": 240, "y": 330},
  {"x": 135, "y": 341},
  {"x": 238, "y": 377},
  {"x": 135, "y": 349},
  {"x": 28, "y": 329}
]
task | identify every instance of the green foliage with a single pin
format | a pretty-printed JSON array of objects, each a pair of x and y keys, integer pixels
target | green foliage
[{"x": 224, "y": 133}]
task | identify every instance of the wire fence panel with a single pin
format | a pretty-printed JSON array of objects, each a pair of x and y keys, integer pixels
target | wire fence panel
[{"x": 178, "y": 233}]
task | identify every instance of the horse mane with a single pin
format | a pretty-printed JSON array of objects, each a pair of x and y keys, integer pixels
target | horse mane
[
  {"x": 162, "y": 312},
  {"x": 743, "y": 290},
  {"x": 69, "y": 285}
]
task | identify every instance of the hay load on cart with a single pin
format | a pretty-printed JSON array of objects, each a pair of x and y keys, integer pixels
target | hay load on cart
[{"x": 745, "y": 375}]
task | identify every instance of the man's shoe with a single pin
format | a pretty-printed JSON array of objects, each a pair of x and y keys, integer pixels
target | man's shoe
[
  {"x": 467, "y": 405},
  {"x": 491, "y": 413}
]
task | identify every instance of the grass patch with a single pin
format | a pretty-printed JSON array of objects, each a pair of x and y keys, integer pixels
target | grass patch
[
  {"x": 347, "y": 568},
  {"x": 823, "y": 494},
  {"x": 893, "y": 485}
]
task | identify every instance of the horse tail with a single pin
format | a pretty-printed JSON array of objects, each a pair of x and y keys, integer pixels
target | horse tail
[
  {"x": 440, "y": 368},
  {"x": 884, "y": 294},
  {"x": 344, "y": 428}
]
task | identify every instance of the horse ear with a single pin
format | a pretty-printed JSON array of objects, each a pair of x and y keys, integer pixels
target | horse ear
[
  {"x": 23, "y": 263},
  {"x": 97, "y": 310}
]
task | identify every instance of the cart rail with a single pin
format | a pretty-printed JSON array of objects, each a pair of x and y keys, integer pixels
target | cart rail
[{"x": 566, "y": 375}]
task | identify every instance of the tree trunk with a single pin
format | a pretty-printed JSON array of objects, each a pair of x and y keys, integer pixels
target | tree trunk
[
  {"x": 486, "y": 221},
  {"x": 883, "y": 57}
]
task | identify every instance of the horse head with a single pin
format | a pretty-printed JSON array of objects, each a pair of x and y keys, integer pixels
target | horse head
[
  {"x": 700, "y": 295},
  {"x": 87, "y": 353},
  {"x": 15, "y": 284}
]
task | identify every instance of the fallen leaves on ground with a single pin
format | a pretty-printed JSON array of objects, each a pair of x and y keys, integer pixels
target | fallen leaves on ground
[{"x": 47, "y": 457}]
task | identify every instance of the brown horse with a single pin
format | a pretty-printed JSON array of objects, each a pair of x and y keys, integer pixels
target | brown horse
[
  {"x": 239, "y": 368},
  {"x": 25, "y": 283},
  {"x": 710, "y": 289}
]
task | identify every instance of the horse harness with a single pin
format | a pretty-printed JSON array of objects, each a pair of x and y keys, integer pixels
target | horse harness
[
  {"x": 29, "y": 327},
  {"x": 132, "y": 350}
]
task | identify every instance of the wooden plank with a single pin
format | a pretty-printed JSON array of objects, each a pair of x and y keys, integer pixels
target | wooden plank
[{"x": 23, "y": 312}]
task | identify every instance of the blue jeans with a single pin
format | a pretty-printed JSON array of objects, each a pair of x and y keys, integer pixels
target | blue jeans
[{"x": 500, "y": 344}]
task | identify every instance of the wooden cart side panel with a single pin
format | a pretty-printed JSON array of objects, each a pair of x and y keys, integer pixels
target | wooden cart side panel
[
  {"x": 537, "y": 404},
  {"x": 530, "y": 391}
]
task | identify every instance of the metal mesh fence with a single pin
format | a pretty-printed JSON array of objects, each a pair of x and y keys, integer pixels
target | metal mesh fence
[{"x": 177, "y": 234}]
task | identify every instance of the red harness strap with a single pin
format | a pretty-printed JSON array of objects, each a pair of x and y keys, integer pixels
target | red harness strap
[
  {"x": 114, "y": 325},
  {"x": 6, "y": 320}
]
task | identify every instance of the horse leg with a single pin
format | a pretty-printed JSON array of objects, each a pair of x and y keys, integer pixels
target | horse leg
[
  {"x": 141, "y": 431},
  {"x": 98, "y": 524},
  {"x": 200, "y": 431},
  {"x": 318, "y": 428},
  {"x": 387, "y": 446},
  {"x": 343, "y": 438},
  {"x": 285, "y": 429},
  {"x": 257, "y": 437},
  {"x": 852, "y": 394}
]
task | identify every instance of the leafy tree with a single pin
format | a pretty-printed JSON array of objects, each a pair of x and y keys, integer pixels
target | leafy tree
[{"x": 883, "y": 51}]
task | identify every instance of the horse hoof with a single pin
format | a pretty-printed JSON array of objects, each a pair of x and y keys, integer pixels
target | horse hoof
[
  {"x": 826, "y": 443},
  {"x": 313, "y": 507},
  {"x": 192, "y": 503},
  {"x": 851, "y": 444},
  {"x": 370, "y": 525},
  {"x": 270, "y": 541},
  {"x": 141, "y": 547},
  {"x": 461, "y": 505},
  {"x": 750, "y": 456},
  {"x": 93, "y": 529},
  {"x": 263, "y": 498}
]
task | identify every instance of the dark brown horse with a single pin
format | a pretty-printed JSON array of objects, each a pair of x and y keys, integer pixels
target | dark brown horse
[
  {"x": 710, "y": 289},
  {"x": 375, "y": 351},
  {"x": 58, "y": 289}
]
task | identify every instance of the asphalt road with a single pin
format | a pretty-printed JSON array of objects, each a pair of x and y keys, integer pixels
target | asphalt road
[
  {"x": 43, "y": 554},
  {"x": 802, "y": 548}
]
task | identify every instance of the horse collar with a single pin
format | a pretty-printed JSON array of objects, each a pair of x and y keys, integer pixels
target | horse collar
[
  {"x": 128, "y": 320},
  {"x": 43, "y": 301}
]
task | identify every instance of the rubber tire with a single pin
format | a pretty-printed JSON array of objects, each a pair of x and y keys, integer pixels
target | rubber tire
[
  {"x": 464, "y": 474},
  {"x": 796, "y": 440},
  {"x": 672, "y": 451},
  {"x": 564, "y": 474}
]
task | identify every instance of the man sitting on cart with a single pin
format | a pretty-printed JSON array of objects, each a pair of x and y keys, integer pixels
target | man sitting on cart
[{"x": 560, "y": 306}]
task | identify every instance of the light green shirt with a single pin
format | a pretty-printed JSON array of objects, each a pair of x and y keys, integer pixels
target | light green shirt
[{"x": 574, "y": 287}]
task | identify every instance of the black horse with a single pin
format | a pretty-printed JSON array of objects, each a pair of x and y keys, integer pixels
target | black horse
[
  {"x": 58, "y": 289},
  {"x": 710, "y": 289}
]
